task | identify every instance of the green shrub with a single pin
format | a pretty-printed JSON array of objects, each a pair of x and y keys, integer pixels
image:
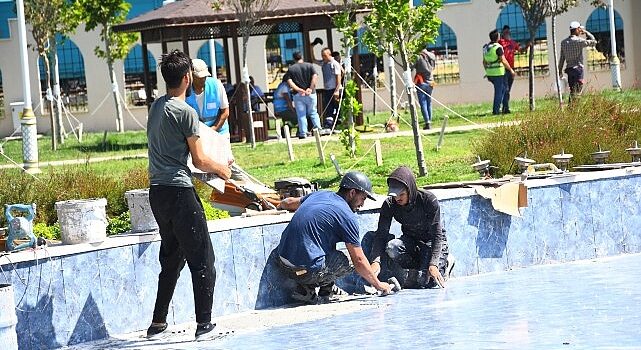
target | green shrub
[
  {"x": 596, "y": 120},
  {"x": 119, "y": 224},
  {"x": 47, "y": 232},
  {"x": 212, "y": 213}
]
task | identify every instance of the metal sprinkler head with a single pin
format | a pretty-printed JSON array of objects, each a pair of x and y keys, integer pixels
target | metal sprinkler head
[
  {"x": 482, "y": 166},
  {"x": 600, "y": 157},
  {"x": 635, "y": 152},
  {"x": 562, "y": 160},
  {"x": 523, "y": 162}
]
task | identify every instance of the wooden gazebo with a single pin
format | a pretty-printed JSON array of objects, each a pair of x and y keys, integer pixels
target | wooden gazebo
[{"x": 182, "y": 21}]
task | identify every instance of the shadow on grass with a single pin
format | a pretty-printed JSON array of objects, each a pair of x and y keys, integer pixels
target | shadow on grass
[{"x": 110, "y": 146}]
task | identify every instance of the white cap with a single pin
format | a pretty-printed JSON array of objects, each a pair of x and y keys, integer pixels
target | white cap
[
  {"x": 200, "y": 68},
  {"x": 575, "y": 25}
]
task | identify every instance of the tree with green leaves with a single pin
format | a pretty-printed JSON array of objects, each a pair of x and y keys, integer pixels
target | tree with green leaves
[
  {"x": 248, "y": 13},
  {"x": 534, "y": 13},
  {"x": 48, "y": 18},
  {"x": 105, "y": 14},
  {"x": 396, "y": 25}
]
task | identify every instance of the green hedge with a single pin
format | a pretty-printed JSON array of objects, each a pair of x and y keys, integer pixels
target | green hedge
[{"x": 596, "y": 120}]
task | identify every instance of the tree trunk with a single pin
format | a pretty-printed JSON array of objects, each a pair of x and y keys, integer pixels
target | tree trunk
[
  {"x": 556, "y": 62},
  {"x": 120, "y": 127},
  {"x": 392, "y": 79},
  {"x": 52, "y": 118},
  {"x": 531, "y": 69},
  {"x": 418, "y": 143},
  {"x": 252, "y": 136},
  {"x": 56, "y": 94}
]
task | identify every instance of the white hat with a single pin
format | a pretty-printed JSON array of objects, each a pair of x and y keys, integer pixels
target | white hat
[
  {"x": 575, "y": 25},
  {"x": 200, "y": 68}
]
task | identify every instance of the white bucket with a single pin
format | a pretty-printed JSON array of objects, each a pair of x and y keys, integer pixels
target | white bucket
[
  {"x": 142, "y": 218},
  {"x": 82, "y": 221}
]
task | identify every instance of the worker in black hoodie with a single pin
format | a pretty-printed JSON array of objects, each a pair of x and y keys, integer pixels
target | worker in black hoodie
[{"x": 422, "y": 248}]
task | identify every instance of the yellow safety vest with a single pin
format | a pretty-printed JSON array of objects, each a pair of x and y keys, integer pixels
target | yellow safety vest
[{"x": 493, "y": 63}]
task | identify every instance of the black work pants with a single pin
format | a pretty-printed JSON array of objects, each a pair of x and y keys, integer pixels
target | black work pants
[
  {"x": 409, "y": 252},
  {"x": 185, "y": 238}
]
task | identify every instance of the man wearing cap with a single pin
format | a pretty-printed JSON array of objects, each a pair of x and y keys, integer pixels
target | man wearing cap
[
  {"x": 307, "y": 249},
  {"x": 572, "y": 57},
  {"x": 495, "y": 66},
  {"x": 209, "y": 98},
  {"x": 422, "y": 248}
]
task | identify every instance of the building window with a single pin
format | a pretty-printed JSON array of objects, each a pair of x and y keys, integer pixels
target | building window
[
  {"x": 203, "y": 54},
  {"x": 599, "y": 24},
  {"x": 279, "y": 52},
  {"x": 446, "y": 51},
  {"x": 71, "y": 69},
  {"x": 135, "y": 93},
  {"x": 512, "y": 15}
]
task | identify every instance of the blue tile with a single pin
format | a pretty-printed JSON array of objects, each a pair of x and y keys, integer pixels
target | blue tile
[
  {"x": 520, "y": 250},
  {"x": 225, "y": 297},
  {"x": 546, "y": 210},
  {"x": 492, "y": 236},
  {"x": 146, "y": 270},
  {"x": 271, "y": 237},
  {"x": 578, "y": 231},
  {"x": 606, "y": 217},
  {"x": 181, "y": 309},
  {"x": 117, "y": 284},
  {"x": 83, "y": 298},
  {"x": 631, "y": 214},
  {"x": 461, "y": 225},
  {"x": 249, "y": 263}
]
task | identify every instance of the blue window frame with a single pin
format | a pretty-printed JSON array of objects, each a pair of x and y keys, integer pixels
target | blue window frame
[{"x": 599, "y": 25}]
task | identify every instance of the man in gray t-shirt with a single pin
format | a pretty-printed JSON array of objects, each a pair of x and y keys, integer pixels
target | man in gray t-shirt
[
  {"x": 332, "y": 77},
  {"x": 172, "y": 134}
]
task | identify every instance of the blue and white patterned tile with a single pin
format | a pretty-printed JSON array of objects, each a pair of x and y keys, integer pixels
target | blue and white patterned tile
[
  {"x": 491, "y": 237},
  {"x": 271, "y": 237},
  {"x": 249, "y": 264},
  {"x": 120, "y": 308},
  {"x": 146, "y": 269},
  {"x": 367, "y": 222},
  {"x": 83, "y": 297},
  {"x": 461, "y": 232},
  {"x": 546, "y": 210},
  {"x": 225, "y": 296},
  {"x": 631, "y": 214},
  {"x": 520, "y": 250},
  {"x": 578, "y": 231},
  {"x": 40, "y": 302},
  {"x": 275, "y": 287},
  {"x": 181, "y": 309},
  {"x": 606, "y": 217}
]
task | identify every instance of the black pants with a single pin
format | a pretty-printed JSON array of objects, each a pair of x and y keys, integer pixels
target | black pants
[
  {"x": 409, "y": 252},
  {"x": 185, "y": 238},
  {"x": 575, "y": 80},
  {"x": 330, "y": 107},
  {"x": 336, "y": 266}
]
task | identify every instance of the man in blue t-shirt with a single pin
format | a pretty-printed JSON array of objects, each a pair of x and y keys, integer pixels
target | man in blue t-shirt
[{"x": 307, "y": 249}]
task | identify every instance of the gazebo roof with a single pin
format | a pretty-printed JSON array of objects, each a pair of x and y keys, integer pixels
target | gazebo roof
[{"x": 191, "y": 14}]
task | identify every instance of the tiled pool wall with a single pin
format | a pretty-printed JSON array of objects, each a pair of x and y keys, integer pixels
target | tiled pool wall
[{"x": 70, "y": 298}]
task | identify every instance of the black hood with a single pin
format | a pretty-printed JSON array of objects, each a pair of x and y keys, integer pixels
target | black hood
[{"x": 405, "y": 176}]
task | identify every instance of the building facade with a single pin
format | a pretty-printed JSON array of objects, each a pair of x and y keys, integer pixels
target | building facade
[{"x": 459, "y": 73}]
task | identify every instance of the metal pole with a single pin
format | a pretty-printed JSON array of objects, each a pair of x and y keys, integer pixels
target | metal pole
[
  {"x": 614, "y": 58},
  {"x": 392, "y": 80},
  {"x": 212, "y": 58},
  {"x": 28, "y": 119}
]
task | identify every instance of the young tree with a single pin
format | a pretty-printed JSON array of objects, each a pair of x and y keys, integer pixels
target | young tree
[
  {"x": 106, "y": 14},
  {"x": 248, "y": 13},
  {"x": 396, "y": 25},
  {"x": 534, "y": 13},
  {"x": 48, "y": 18}
]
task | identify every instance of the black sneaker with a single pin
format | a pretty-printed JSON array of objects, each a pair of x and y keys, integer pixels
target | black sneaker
[
  {"x": 204, "y": 328},
  {"x": 427, "y": 126},
  {"x": 156, "y": 328}
]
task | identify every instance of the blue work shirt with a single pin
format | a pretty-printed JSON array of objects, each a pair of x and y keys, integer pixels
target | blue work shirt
[{"x": 322, "y": 220}]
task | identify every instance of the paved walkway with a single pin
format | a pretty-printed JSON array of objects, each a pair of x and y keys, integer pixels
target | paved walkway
[{"x": 591, "y": 304}]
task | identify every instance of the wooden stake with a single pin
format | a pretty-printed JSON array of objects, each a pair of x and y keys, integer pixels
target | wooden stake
[
  {"x": 440, "y": 137},
  {"x": 319, "y": 146},
  {"x": 288, "y": 139},
  {"x": 378, "y": 152}
]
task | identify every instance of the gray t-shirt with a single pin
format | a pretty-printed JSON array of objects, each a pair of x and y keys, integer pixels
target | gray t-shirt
[
  {"x": 330, "y": 70},
  {"x": 171, "y": 121}
]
